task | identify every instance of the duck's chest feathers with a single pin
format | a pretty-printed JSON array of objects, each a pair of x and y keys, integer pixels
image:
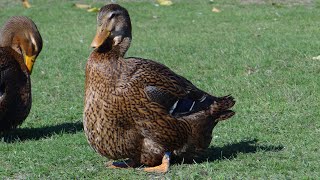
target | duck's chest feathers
[
  {"x": 106, "y": 121},
  {"x": 107, "y": 129},
  {"x": 104, "y": 93}
]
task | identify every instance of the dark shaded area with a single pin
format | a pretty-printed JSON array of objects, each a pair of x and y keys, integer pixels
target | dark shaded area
[
  {"x": 23, "y": 134},
  {"x": 230, "y": 151}
]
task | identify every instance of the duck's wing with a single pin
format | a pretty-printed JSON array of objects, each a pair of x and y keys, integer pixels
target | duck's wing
[
  {"x": 175, "y": 103},
  {"x": 15, "y": 92},
  {"x": 175, "y": 93}
]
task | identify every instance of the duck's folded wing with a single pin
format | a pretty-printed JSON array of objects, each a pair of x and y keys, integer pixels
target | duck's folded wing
[
  {"x": 179, "y": 104},
  {"x": 175, "y": 93}
]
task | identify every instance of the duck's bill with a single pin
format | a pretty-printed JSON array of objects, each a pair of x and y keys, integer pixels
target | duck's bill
[
  {"x": 99, "y": 38},
  {"x": 29, "y": 62}
]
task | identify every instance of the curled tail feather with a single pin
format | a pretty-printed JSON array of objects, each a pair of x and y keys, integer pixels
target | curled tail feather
[{"x": 222, "y": 104}]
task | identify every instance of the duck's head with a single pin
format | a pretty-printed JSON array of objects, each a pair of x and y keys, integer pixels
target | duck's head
[
  {"x": 113, "y": 26},
  {"x": 21, "y": 34}
]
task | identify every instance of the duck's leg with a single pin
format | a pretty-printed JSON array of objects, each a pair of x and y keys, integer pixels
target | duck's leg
[
  {"x": 123, "y": 164},
  {"x": 162, "y": 168}
]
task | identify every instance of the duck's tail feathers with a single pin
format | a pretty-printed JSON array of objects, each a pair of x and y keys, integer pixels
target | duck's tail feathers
[
  {"x": 224, "y": 115},
  {"x": 221, "y": 104}
]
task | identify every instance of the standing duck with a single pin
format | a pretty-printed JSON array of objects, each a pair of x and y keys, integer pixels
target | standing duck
[
  {"x": 20, "y": 44},
  {"x": 139, "y": 109}
]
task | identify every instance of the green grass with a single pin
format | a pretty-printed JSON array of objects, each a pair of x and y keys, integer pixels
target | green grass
[{"x": 261, "y": 53}]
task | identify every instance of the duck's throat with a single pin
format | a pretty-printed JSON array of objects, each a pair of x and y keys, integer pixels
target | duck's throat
[
  {"x": 106, "y": 46},
  {"x": 119, "y": 49}
]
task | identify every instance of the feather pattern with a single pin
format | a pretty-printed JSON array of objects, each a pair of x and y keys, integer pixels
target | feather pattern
[{"x": 140, "y": 109}]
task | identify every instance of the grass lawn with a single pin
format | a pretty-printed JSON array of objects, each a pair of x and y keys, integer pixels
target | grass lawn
[{"x": 258, "y": 51}]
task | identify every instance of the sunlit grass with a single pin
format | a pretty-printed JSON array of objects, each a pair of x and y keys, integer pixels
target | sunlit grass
[{"x": 261, "y": 53}]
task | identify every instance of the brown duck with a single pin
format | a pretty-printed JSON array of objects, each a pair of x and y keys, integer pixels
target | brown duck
[
  {"x": 20, "y": 44},
  {"x": 139, "y": 109}
]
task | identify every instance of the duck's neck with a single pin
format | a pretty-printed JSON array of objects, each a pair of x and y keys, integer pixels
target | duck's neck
[
  {"x": 9, "y": 38},
  {"x": 110, "y": 58},
  {"x": 5, "y": 37},
  {"x": 116, "y": 51},
  {"x": 123, "y": 46}
]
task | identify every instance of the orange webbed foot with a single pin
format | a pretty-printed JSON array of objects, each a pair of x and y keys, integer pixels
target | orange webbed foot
[{"x": 162, "y": 168}]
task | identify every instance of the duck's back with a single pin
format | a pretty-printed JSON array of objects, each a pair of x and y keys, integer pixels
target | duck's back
[{"x": 15, "y": 92}]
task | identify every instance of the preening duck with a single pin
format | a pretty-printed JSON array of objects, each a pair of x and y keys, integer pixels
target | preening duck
[{"x": 20, "y": 44}]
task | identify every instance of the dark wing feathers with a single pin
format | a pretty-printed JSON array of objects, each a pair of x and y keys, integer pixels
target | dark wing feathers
[
  {"x": 175, "y": 93},
  {"x": 187, "y": 106},
  {"x": 160, "y": 96}
]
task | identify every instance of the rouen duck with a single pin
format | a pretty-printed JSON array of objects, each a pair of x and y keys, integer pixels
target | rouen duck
[
  {"x": 139, "y": 109},
  {"x": 20, "y": 44}
]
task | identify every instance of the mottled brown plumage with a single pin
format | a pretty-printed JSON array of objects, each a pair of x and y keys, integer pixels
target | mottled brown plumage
[
  {"x": 139, "y": 109},
  {"x": 20, "y": 44}
]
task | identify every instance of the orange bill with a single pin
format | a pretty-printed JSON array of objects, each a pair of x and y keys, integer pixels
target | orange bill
[
  {"x": 29, "y": 62},
  {"x": 99, "y": 38}
]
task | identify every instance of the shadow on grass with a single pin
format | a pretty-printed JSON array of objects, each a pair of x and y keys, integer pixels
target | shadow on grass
[
  {"x": 23, "y": 134},
  {"x": 231, "y": 151}
]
